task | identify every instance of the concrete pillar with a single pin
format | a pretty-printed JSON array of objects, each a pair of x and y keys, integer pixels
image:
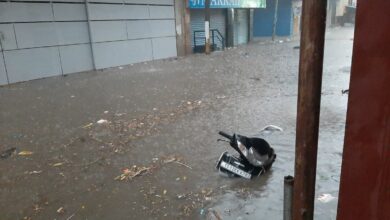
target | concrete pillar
[{"x": 183, "y": 28}]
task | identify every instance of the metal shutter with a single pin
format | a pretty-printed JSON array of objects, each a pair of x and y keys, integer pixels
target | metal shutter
[
  {"x": 217, "y": 21},
  {"x": 241, "y": 24}
]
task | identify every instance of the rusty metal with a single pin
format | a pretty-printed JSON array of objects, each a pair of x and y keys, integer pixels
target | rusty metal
[
  {"x": 207, "y": 26},
  {"x": 288, "y": 197},
  {"x": 365, "y": 174},
  {"x": 309, "y": 99}
]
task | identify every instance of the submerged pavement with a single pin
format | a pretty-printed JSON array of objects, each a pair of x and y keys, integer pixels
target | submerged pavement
[{"x": 139, "y": 141}]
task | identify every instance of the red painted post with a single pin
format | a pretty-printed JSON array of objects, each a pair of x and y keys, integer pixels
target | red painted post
[{"x": 365, "y": 174}]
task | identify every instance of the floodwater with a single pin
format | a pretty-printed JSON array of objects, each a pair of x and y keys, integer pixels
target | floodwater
[{"x": 164, "y": 116}]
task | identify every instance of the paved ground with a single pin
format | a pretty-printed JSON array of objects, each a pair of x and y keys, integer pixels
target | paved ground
[{"x": 162, "y": 120}]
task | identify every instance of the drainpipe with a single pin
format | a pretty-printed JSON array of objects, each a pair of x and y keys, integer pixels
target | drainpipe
[
  {"x": 90, "y": 33},
  {"x": 288, "y": 197},
  {"x": 230, "y": 27},
  {"x": 275, "y": 20},
  {"x": 309, "y": 99},
  {"x": 207, "y": 26},
  {"x": 2, "y": 54}
]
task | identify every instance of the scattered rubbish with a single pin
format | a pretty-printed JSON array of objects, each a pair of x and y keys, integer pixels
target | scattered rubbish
[
  {"x": 7, "y": 153},
  {"x": 72, "y": 96},
  {"x": 270, "y": 129},
  {"x": 154, "y": 109},
  {"x": 87, "y": 125},
  {"x": 213, "y": 215},
  {"x": 345, "y": 91},
  {"x": 280, "y": 41},
  {"x": 181, "y": 196},
  {"x": 178, "y": 162},
  {"x": 121, "y": 67},
  {"x": 71, "y": 216},
  {"x": 202, "y": 212},
  {"x": 165, "y": 192},
  {"x": 58, "y": 164},
  {"x": 25, "y": 153},
  {"x": 134, "y": 171},
  {"x": 102, "y": 121},
  {"x": 178, "y": 179},
  {"x": 105, "y": 112},
  {"x": 61, "y": 210},
  {"x": 37, "y": 208},
  {"x": 221, "y": 97},
  {"x": 207, "y": 198},
  {"x": 325, "y": 198},
  {"x": 297, "y": 47},
  {"x": 35, "y": 172}
]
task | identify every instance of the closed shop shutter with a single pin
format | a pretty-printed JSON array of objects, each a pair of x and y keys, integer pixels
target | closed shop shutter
[
  {"x": 241, "y": 28},
  {"x": 217, "y": 21}
]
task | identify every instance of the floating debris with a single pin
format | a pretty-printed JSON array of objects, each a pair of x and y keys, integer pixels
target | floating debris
[
  {"x": 25, "y": 153},
  {"x": 134, "y": 171},
  {"x": 58, "y": 164},
  {"x": 87, "y": 125},
  {"x": 35, "y": 172},
  {"x": 102, "y": 121},
  {"x": 61, "y": 210},
  {"x": 7, "y": 153},
  {"x": 325, "y": 198}
]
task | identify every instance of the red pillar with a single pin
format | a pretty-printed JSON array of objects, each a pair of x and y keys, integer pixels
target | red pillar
[{"x": 365, "y": 176}]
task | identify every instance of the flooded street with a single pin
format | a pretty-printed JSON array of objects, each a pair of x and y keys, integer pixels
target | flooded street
[{"x": 140, "y": 141}]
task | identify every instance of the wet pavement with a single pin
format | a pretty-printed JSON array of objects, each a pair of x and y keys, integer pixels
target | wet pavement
[{"x": 139, "y": 141}]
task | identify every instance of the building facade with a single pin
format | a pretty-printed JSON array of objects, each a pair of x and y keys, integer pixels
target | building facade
[
  {"x": 51, "y": 38},
  {"x": 44, "y": 38}
]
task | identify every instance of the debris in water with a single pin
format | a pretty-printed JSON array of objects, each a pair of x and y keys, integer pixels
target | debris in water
[
  {"x": 270, "y": 129},
  {"x": 213, "y": 215},
  {"x": 35, "y": 172},
  {"x": 102, "y": 121},
  {"x": 87, "y": 125},
  {"x": 325, "y": 198},
  {"x": 255, "y": 78},
  {"x": 61, "y": 210},
  {"x": 181, "y": 196},
  {"x": 7, "y": 153},
  {"x": 25, "y": 153},
  {"x": 58, "y": 164},
  {"x": 134, "y": 171}
]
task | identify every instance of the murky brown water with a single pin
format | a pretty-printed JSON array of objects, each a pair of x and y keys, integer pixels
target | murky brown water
[{"x": 71, "y": 173}]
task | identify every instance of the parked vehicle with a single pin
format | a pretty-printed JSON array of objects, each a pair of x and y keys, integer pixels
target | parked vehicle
[{"x": 255, "y": 157}]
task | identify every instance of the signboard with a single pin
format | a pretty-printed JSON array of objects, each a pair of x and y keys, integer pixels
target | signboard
[{"x": 228, "y": 3}]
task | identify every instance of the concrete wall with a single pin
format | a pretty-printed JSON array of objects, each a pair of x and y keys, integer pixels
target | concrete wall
[
  {"x": 263, "y": 19},
  {"x": 41, "y": 38}
]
